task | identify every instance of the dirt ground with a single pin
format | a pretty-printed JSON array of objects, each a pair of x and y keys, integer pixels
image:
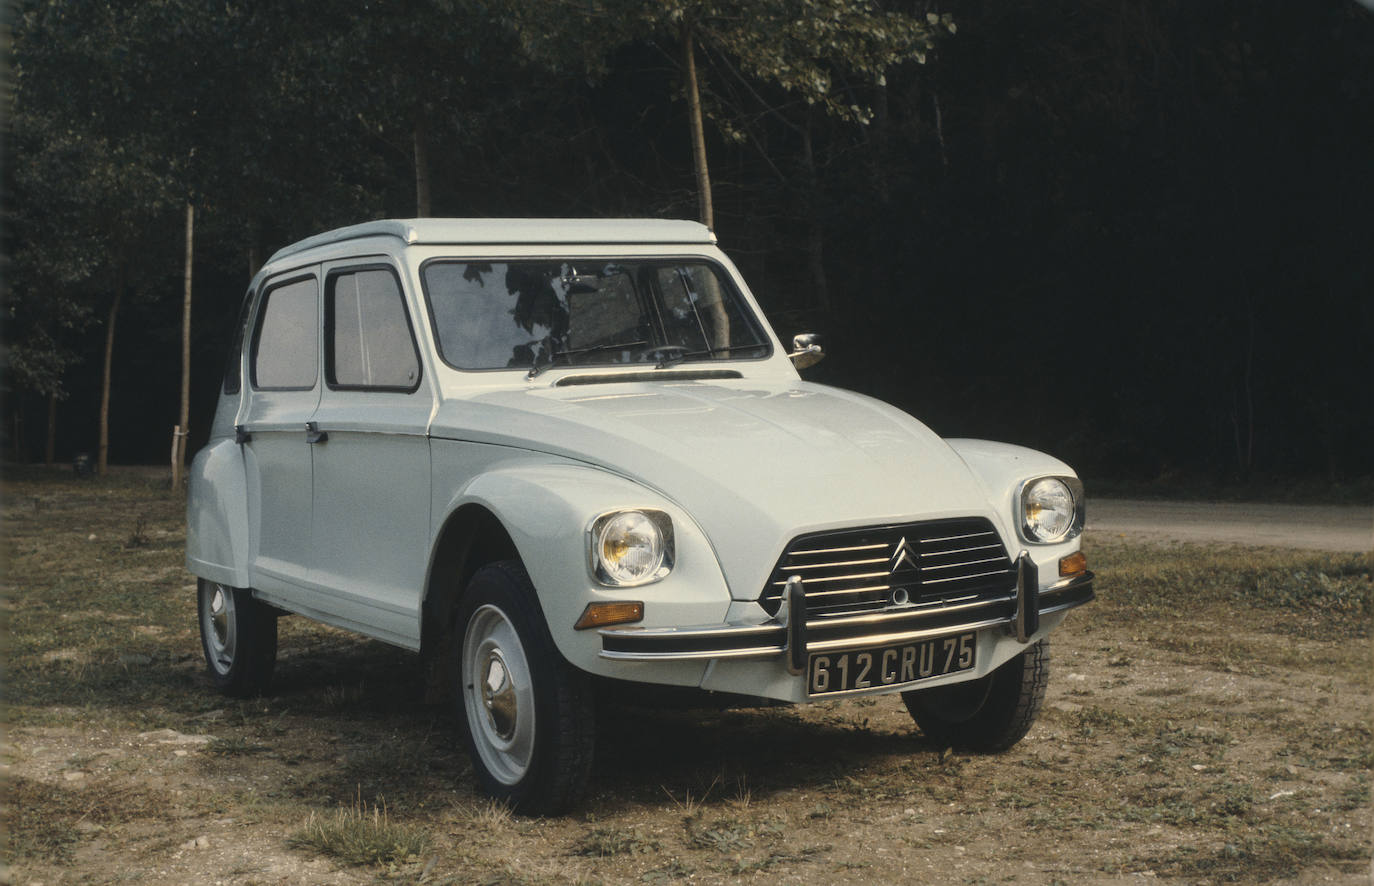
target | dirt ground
[{"x": 1208, "y": 720}]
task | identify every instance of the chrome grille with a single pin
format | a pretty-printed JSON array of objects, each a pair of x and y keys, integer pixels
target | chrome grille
[{"x": 921, "y": 565}]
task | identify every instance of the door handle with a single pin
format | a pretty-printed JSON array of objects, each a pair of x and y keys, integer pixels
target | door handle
[{"x": 313, "y": 434}]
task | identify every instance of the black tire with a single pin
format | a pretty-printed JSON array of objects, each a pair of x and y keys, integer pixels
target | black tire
[
  {"x": 986, "y": 715},
  {"x": 239, "y": 637},
  {"x": 529, "y": 715}
]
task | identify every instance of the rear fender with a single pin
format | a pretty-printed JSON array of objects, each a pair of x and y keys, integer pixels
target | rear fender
[{"x": 217, "y": 515}]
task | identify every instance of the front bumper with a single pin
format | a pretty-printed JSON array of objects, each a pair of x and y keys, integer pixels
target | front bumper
[{"x": 795, "y": 636}]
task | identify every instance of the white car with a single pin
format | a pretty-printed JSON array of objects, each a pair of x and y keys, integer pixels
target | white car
[{"x": 555, "y": 456}]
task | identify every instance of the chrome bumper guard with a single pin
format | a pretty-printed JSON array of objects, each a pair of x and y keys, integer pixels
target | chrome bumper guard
[{"x": 792, "y": 633}]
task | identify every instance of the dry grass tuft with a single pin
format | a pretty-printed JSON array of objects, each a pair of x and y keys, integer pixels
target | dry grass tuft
[{"x": 358, "y": 836}]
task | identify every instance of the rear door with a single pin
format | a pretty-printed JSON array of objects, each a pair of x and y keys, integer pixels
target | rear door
[{"x": 283, "y": 393}]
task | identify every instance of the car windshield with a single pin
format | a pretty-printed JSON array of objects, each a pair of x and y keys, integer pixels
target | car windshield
[{"x": 555, "y": 312}]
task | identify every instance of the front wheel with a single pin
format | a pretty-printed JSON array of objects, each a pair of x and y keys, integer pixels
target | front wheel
[
  {"x": 239, "y": 636},
  {"x": 989, "y": 714},
  {"x": 529, "y": 714}
]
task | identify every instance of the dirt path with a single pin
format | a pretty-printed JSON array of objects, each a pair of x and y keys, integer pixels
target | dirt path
[{"x": 1307, "y": 527}]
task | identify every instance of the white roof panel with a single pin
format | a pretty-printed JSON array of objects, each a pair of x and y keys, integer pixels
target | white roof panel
[{"x": 511, "y": 231}]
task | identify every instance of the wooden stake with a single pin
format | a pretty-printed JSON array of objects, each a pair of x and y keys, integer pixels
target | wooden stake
[{"x": 179, "y": 436}]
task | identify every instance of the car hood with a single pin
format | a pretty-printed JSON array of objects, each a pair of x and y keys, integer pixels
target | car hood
[{"x": 755, "y": 464}]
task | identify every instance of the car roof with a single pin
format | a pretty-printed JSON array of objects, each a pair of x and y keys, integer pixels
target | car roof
[{"x": 513, "y": 231}]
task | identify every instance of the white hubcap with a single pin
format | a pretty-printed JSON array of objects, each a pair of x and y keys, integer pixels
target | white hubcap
[
  {"x": 220, "y": 630},
  {"x": 498, "y": 694}
]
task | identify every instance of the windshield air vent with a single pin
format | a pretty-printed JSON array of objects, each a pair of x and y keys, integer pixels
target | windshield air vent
[{"x": 606, "y": 378}]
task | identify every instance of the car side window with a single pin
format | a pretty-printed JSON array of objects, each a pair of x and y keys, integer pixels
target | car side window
[
  {"x": 369, "y": 343},
  {"x": 286, "y": 345},
  {"x": 233, "y": 364}
]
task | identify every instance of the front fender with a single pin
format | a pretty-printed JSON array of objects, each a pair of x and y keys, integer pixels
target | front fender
[
  {"x": 217, "y": 515},
  {"x": 547, "y": 508},
  {"x": 1001, "y": 468}
]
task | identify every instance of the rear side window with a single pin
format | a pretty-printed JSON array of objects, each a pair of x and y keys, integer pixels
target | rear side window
[
  {"x": 233, "y": 365},
  {"x": 286, "y": 352},
  {"x": 369, "y": 342}
]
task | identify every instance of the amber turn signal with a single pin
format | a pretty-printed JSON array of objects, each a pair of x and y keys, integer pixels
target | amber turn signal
[
  {"x": 598, "y": 615},
  {"x": 1073, "y": 564}
]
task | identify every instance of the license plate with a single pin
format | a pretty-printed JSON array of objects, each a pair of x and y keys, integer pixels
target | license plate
[{"x": 879, "y": 666}]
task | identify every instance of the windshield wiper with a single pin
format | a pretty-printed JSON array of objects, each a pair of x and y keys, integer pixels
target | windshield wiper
[
  {"x": 671, "y": 355},
  {"x": 536, "y": 368},
  {"x": 613, "y": 346}
]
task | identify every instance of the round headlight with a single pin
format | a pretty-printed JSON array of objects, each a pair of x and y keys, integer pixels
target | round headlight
[
  {"x": 629, "y": 548},
  {"x": 1048, "y": 509}
]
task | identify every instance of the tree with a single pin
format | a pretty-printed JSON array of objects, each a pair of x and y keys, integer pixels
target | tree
[{"x": 826, "y": 54}]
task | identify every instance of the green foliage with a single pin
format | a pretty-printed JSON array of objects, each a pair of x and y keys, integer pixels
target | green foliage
[
  {"x": 1178, "y": 179},
  {"x": 826, "y": 53}
]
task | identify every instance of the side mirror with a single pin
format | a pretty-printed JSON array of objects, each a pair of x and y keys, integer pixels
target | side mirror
[{"x": 806, "y": 350}]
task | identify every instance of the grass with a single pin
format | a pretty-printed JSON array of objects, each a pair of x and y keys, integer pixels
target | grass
[
  {"x": 604, "y": 842},
  {"x": 1209, "y": 719},
  {"x": 1269, "y": 853},
  {"x": 356, "y": 835},
  {"x": 1305, "y": 584}
]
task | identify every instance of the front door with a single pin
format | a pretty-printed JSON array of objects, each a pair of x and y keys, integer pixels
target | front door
[{"x": 371, "y": 524}]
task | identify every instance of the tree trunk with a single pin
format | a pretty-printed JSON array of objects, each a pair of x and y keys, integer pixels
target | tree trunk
[
  {"x": 815, "y": 236},
  {"x": 50, "y": 448},
  {"x": 689, "y": 60},
  {"x": 940, "y": 129},
  {"x": 103, "y": 446},
  {"x": 254, "y": 250},
  {"x": 422, "y": 209},
  {"x": 179, "y": 453}
]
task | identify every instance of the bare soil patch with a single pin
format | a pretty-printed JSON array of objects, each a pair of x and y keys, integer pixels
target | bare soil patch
[{"x": 1209, "y": 720}]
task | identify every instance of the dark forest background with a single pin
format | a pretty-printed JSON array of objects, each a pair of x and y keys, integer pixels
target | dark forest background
[{"x": 1138, "y": 234}]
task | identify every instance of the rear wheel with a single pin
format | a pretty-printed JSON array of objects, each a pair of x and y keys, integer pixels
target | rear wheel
[
  {"x": 529, "y": 714},
  {"x": 989, "y": 714},
  {"x": 239, "y": 637}
]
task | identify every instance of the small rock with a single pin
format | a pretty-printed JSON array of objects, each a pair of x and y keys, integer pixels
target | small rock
[
  {"x": 201, "y": 842},
  {"x": 73, "y": 776},
  {"x": 1198, "y": 767},
  {"x": 91, "y": 537},
  {"x": 180, "y": 752},
  {"x": 1076, "y": 678}
]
